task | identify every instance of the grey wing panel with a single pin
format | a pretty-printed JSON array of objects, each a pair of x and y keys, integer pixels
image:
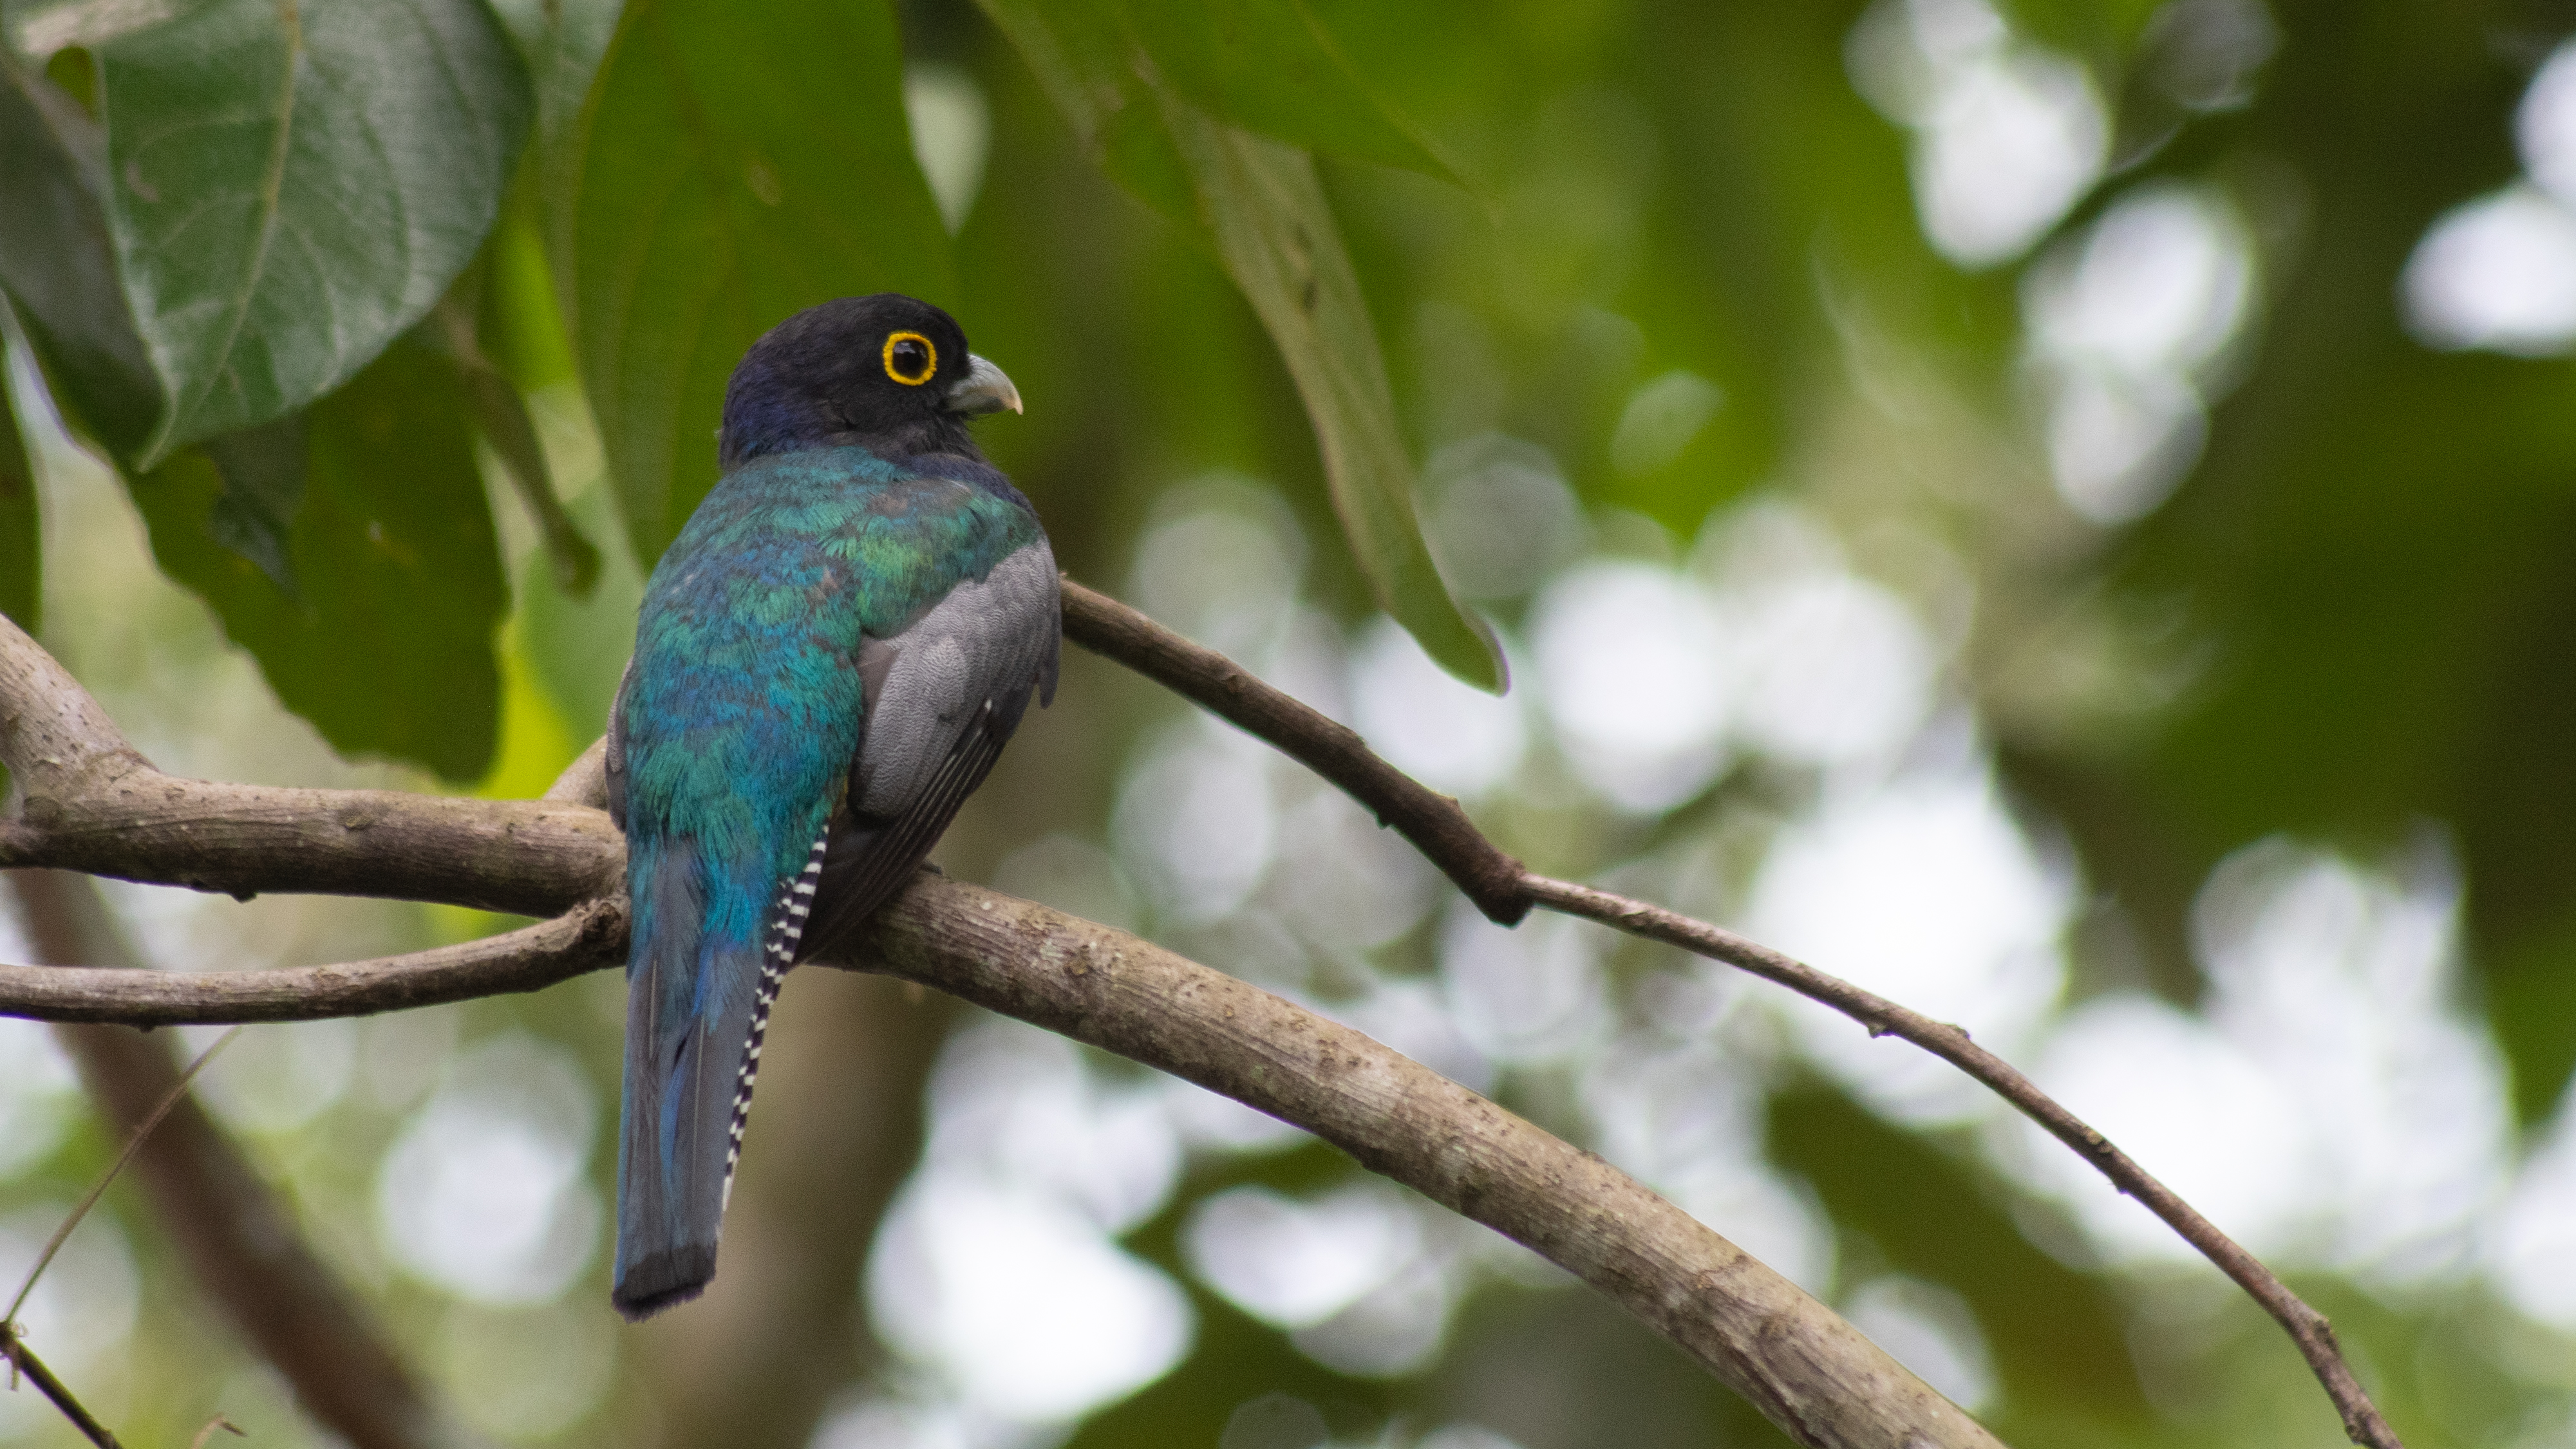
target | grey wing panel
[
  {"x": 944, "y": 695},
  {"x": 987, "y": 640}
]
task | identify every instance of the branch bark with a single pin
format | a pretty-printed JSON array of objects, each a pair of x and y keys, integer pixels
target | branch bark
[{"x": 241, "y": 1243}]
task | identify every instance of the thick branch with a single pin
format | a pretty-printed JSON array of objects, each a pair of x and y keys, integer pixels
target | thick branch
[{"x": 1805, "y": 1368}]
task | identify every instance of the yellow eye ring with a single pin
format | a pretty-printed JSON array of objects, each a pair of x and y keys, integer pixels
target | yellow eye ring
[{"x": 929, "y": 363}]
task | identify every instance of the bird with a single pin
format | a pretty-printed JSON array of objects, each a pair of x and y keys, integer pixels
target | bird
[{"x": 827, "y": 661}]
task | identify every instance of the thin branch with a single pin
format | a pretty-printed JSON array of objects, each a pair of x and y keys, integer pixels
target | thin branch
[
  {"x": 2307, "y": 1327},
  {"x": 22, "y": 1359},
  {"x": 586, "y": 938},
  {"x": 1504, "y": 890},
  {"x": 1436, "y": 824}
]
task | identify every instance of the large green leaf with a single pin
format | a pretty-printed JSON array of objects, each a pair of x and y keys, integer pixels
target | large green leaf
[
  {"x": 386, "y": 642},
  {"x": 1280, "y": 245},
  {"x": 738, "y": 164},
  {"x": 294, "y": 184},
  {"x": 58, "y": 265}
]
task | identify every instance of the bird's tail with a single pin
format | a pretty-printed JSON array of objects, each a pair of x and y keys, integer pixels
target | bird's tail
[{"x": 700, "y": 978}]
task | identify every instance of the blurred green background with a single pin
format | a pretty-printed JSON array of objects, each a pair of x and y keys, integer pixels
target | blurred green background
[{"x": 2064, "y": 513}]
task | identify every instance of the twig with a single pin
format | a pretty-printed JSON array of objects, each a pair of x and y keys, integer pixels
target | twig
[
  {"x": 22, "y": 1359},
  {"x": 242, "y": 1244},
  {"x": 98, "y": 1189},
  {"x": 1441, "y": 830},
  {"x": 591, "y": 935},
  {"x": 208, "y": 1432},
  {"x": 2307, "y": 1327},
  {"x": 1436, "y": 824}
]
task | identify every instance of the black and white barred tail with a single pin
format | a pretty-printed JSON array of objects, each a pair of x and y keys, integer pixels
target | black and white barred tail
[{"x": 786, "y": 933}]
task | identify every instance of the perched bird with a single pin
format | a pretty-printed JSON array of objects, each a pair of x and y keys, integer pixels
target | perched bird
[{"x": 827, "y": 662}]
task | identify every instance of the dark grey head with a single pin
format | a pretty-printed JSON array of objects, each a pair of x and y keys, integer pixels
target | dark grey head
[{"x": 886, "y": 372}]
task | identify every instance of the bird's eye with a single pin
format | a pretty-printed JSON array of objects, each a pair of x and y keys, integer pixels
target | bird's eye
[{"x": 910, "y": 359}]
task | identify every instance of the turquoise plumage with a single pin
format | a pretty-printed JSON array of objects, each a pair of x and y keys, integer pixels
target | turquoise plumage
[{"x": 827, "y": 661}]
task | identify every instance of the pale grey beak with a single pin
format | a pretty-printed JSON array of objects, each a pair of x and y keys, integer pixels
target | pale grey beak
[{"x": 984, "y": 389}]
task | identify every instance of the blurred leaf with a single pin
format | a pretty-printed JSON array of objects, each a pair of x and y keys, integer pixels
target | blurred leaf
[
  {"x": 1270, "y": 66},
  {"x": 1279, "y": 243},
  {"x": 739, "y": 164},
  {"x": 58, "y": 264},
  {"x": 389, "y": 649},
  {"x": 561, "y": 42},
  {"x": 22, "y": 592},
  {"x": 501, "y": 415},
  {"x": 296, "y": 185},
  {"x": 521, "y": 325}
]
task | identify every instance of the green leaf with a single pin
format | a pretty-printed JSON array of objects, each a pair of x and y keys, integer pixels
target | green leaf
[
  {"x": 22, "y": 577},
  {"x": 59, "y": 266},
  {"x": 1270, "y": 66},
  {"x": 294, "y": 185},
  {"x": 387, "y": 645},
  {"x": 740, "y": 164},
  {"x": 1278, "y": 241}
]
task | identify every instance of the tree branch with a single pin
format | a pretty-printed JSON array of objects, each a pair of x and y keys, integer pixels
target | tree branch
[{"x": 236, "y": 827}]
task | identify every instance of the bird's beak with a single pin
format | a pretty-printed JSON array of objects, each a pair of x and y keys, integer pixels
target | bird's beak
[{"x": 984, "y": 389}]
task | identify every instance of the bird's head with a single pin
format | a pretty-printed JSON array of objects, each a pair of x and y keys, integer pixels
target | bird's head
[{"x": 884, "y": 371}]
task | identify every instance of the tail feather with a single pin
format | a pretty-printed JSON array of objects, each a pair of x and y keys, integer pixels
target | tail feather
[{"x": 698, "y": 1000}]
